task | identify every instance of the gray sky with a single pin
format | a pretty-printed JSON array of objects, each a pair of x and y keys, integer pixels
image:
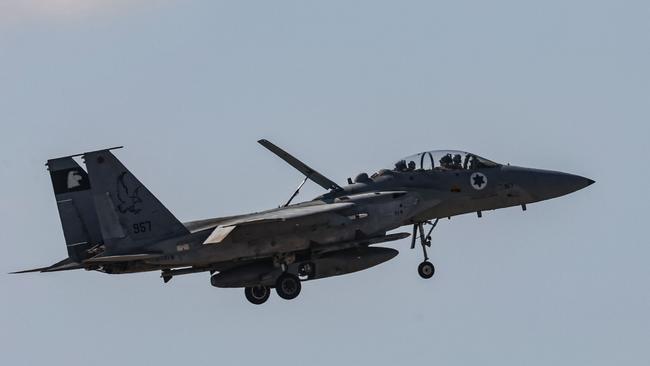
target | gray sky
[{"x": 349, "y": 86}]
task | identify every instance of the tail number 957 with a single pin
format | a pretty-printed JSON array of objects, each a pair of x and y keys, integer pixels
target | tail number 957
[{"x": 142, "y": 227}]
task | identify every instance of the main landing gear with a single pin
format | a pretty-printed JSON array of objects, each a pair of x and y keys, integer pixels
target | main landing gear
[
  {"x": 287, "y": 287},
  {"x": 257, "y": 294},
  {"x": 425, "y": 269}
]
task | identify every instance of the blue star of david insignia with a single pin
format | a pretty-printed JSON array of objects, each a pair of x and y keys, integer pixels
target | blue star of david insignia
[{"x": 478, "y": 180}]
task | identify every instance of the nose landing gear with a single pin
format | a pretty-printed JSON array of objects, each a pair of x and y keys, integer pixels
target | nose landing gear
[{"x": 425, "y": 269}]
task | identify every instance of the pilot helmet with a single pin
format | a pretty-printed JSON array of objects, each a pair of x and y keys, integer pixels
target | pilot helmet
[
  {"x": 400, "y": 165},
  {"x": 411, "y": 165},
  {"x": 445, "y": 159}
]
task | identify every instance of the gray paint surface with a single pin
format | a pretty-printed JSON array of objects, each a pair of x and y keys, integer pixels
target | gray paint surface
[
  {"x": 139, "y": 234},
  {"x": 557, "y": 85}
]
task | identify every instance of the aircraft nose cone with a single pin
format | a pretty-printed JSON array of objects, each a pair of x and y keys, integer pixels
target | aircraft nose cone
[
  {"x": 555, "y": 184},
  {"x": 586, "y": 182},
  {"x": 576, "y": 182},
  {"x": 545, "y": 184}
]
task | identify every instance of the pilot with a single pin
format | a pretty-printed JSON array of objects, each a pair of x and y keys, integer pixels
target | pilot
[
  {"x": 457, "y": 162},
  {"x": 446, "y": 161},
  {"x": 473, "y": 163},
  {"x": 400, "y": 166},
  {"x": 411, "y": 166}
]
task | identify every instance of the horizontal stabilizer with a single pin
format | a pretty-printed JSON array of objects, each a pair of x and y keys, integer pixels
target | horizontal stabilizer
[
  {"x": 64, "y": 265},
  {"x": 122, "y": 258}
]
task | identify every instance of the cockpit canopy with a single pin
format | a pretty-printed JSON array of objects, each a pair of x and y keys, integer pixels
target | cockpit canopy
[{"x": 443, "y": 160}]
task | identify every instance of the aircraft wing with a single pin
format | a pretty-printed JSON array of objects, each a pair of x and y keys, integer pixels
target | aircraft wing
[
  {"x": 310, "y": 173},
  {"x": 292, "y": 213},
  {"x": 280, "y": 215}
]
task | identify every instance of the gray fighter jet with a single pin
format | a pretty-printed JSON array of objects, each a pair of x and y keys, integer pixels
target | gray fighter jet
[{"x": 112, "y": 223}]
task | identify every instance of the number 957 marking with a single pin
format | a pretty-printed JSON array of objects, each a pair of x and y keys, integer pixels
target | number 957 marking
[{"x": 142, "y": 227}]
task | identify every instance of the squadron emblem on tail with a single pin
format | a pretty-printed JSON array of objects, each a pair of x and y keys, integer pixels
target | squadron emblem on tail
[{"x": 128, "y": 196}]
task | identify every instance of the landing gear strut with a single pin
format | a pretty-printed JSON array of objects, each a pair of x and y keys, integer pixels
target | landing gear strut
[{"x": 425, "y": 269}]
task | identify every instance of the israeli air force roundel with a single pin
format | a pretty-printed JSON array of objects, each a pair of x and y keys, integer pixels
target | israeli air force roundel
[{"x": 478, "y": 181}]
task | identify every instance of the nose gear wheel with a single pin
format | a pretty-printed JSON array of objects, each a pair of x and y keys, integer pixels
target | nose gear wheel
[{"x": 426, "y": 270}]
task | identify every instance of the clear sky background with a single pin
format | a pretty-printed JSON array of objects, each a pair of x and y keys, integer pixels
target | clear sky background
[{"x": 348, "y": 86}]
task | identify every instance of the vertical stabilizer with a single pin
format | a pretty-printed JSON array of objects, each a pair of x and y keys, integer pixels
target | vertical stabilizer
[
  {"x": 76, "y": 209},
  {"x": 129, "y": 214}
]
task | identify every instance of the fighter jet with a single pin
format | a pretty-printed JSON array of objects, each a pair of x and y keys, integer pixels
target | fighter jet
[{"x": 113, "y": 224}]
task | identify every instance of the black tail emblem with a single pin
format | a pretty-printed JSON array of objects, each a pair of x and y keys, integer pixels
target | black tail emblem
[{"x": 128, "y": 196}]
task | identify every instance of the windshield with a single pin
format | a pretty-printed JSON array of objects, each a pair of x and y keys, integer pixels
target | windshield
[{"x": 443, "y": 160}]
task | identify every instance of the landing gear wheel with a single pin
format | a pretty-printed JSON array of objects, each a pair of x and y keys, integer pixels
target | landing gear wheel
[
  {"x": 426, "y": 269},
  {"x": 257, "y": 294},
  {"x": 287, "y": 286}
]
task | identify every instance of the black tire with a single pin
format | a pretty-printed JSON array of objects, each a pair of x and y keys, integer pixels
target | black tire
[
  {"x": 426, "y": 270},
  {"x": 257, "y": 294},
  {"x": 287, "y": 286}
]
